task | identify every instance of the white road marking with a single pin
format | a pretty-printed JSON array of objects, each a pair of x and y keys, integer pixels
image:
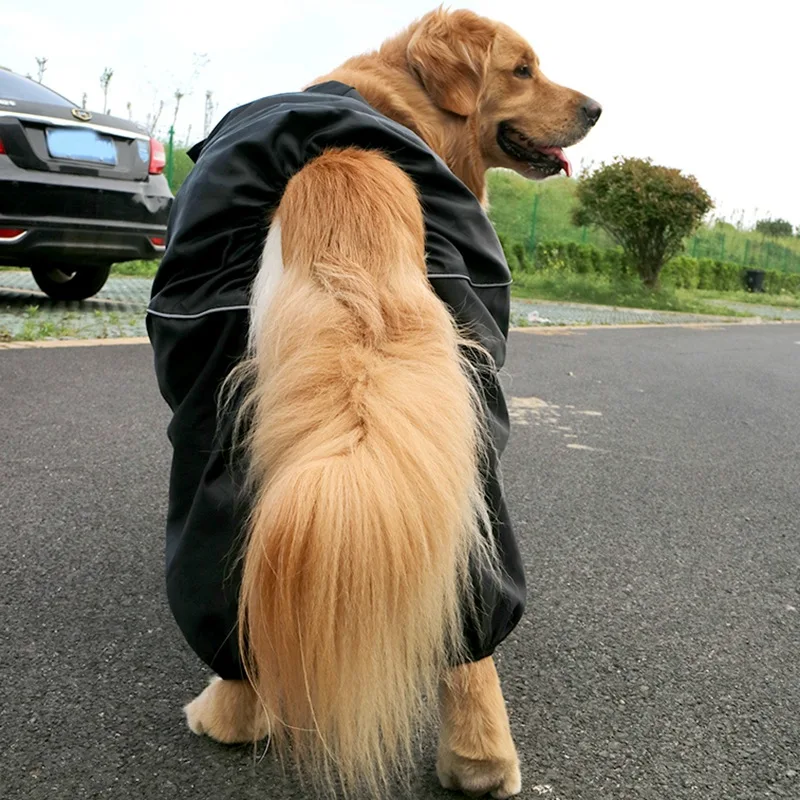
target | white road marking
[
  {"x": 530, "y": 402},
  {"x": 540, "y": 413},
  {"x": 575, "y": 446}
]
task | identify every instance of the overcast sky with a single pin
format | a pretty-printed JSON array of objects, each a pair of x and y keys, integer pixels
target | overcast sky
[{"x": 710, "y": 87}]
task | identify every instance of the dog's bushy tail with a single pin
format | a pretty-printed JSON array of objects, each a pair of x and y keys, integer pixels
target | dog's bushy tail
[{"x": 364, "y": 445}]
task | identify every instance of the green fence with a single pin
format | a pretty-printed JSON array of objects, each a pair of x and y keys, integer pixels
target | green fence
[
  {"x": 169, "y": 169},
  {"x": 178, "y": 165},
  {"x": 751, "y": 250},
  {"x": 530, "y": 213}
]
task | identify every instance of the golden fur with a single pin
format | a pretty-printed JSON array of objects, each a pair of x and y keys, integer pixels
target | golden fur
[
  {"x": 367, "y": 506},
  {"x": 450, "y": 78},
  {"x": 476, "y": 751},
  {"x": 365, "y": 437},
  {"x": 229, "y": 712}
]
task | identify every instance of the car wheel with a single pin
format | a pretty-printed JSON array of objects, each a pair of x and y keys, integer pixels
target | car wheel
[{"x": 67, "y": 282}]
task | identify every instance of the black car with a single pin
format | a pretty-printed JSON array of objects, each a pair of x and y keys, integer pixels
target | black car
[{"x": 78, "y": 190}]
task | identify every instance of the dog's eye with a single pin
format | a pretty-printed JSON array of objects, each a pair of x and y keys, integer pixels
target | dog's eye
[{"x": 523, "y": 71}]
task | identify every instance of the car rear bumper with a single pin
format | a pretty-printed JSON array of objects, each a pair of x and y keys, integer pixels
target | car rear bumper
[
  {"x": 72, "y": 218},
  {"x": 76, "y": 241}
]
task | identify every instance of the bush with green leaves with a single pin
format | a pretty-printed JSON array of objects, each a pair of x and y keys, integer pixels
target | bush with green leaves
[
  {"x": 682, "y": 272},
  {"x": 774, "y": 228},
  {"x": 647, "y": 209},
  {"x": 776, "y": 282},
  {"x": 583, "y": 259}
]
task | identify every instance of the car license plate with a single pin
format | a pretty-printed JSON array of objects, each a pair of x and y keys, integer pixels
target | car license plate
[{"x": 74, "y": 144}]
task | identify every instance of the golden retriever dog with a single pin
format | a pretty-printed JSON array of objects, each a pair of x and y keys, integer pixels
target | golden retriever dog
[{"x": 350, "y": 608}]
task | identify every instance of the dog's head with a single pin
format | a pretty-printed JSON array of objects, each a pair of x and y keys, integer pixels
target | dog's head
[{"x": 475, "y": 68}]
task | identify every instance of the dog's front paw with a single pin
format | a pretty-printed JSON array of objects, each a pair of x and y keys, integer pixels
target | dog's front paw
[
  {"x": 227, "y": 711},
  {"x": 499, "y": 777}
]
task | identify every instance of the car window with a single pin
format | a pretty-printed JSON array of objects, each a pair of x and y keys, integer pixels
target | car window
[{"x": 15, "y": 87}]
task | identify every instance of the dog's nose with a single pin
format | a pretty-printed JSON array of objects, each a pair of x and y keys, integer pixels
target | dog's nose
[{"x": 591, "y": 111}]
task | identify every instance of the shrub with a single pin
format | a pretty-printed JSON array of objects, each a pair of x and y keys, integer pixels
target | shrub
[
  {"x": 648, "y": 210},
  {"x": 521, "y": 260},
  {"x": 582, "y": 259},
  {"x": 682, "y": 272},
  {"x": 774, "y": 227},
  {"x": 182, "y": 166},
  {"x": 776, "y": 282}
]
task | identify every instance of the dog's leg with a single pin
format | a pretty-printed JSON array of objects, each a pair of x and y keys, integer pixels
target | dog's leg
[
  {"x": 227, "y": 711},
  {"x": 476, "y": 751}
]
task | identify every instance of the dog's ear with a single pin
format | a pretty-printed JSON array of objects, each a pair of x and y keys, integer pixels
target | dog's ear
[{"x": 449, "y": 52}]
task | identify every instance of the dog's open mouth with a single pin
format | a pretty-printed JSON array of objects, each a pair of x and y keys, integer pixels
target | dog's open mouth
[{"x": 547, "y": 160}]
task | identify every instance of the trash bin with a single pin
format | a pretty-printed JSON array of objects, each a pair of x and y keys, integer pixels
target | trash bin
[{"x": 754, "y": 280}]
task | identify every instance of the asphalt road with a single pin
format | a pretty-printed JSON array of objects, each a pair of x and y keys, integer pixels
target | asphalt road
[{"x": 653, "y": 475}]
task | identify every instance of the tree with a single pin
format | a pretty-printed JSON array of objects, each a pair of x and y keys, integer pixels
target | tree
[
  {"x": 649, "y": 210},
  {"x": 105, "y": 79},
  {"x": 179, "y": 95},
  {"x": 210, "y": 110},
  {"x": 42, "y": 68},
  {"x": 774, "y": 228},
  {"x": 152, "y": 119}
]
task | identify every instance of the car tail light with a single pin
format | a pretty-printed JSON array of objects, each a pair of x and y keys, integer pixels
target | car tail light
[
  {"x": 7, "y": 234},
  {"x": 158, "y": 241},
  {"x": 2, "y": 148},
  {"x": 158, "y": 158}
]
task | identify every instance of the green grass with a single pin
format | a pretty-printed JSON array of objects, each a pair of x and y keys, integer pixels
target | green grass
[
  {"x": 181, "y": 167},
  {"x": 36, "y": 327},
  {"x": 137, "y": 269},
  {"x": 600, "y": 290},
  {"x": 777, "y": 300},
  {"x": 511, "y": 208}
]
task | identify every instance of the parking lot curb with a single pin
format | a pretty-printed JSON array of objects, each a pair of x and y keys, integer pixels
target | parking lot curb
[
  {"x": 566, "y": 329},
  {"x": 73, "y": 343}
]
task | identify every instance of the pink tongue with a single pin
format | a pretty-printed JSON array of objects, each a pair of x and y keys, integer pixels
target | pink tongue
[{"x": 558, "y": 153}]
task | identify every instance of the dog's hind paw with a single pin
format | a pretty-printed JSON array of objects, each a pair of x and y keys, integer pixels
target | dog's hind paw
[
  {"x": 498, "y": 778},
  {"x": 476, "y": 750},
  {"x": 228, "y": 712}
]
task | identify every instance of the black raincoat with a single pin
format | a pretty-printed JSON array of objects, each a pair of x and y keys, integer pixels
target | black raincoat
[{"x": 198, "y": 320}]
